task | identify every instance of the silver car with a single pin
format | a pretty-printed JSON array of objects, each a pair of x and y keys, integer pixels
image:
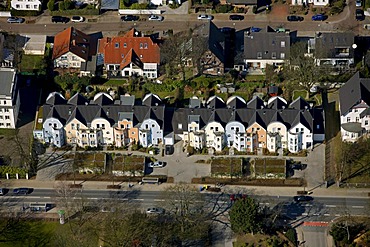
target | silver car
[
  {"x": 14, "y": 19},
  {"x": 155, "y": 18},
  {"x": 205, "y": 17},
  {"x": 155, "y": 210}
]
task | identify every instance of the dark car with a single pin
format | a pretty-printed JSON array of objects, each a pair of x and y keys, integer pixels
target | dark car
[
  {"x": 255, "y": 29},
  {"x": 294, "y": 18},
  {"x": 169, "y": 149},
  {"x": 296, "y": 166},
  {"x": 302, "y": 198},
  {"x": 319, "y": 17},
  {"x": 360, "y": 16},
  {"x": 129, "y": 18},
  {"x": 59, "y": 19},
  {"x": 235, "y": 197},
  {"x": 236, "y": 17},
  {"x": 21, "y": 191},
  {"x": 3, "y": 191},
  {"x": 14, "y": 19}
]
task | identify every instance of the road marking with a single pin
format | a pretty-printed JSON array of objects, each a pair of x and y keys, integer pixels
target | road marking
[
  {"x": 337, "y": 215},
  {"x": 159, "y": 200},
  {"x": 326, "y": 214},
  {"x": 305, "y": 214},
  {"x": 330, "y": 206},
  {"x": 47, "y": 197},
  {"x": 316, "y": 214},
  {"x": 307, "y": 205},
  {"x": 137, "y": 199},
  {"x": 358, "y": 206}
]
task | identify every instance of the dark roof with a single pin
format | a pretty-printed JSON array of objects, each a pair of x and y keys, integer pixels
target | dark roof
[
  {"x": 256, "y": 103},
  {"x": 102, "y": 99},
  {"x": 353, "y": 92},
  {"x": 276, "y": 103},
  {"x": 236, "y": 102},
  {"x": 152, "y": 100},
  {"x": 352, "y": 127},
  {"x": 325, "y": 44},
  {"x": 127, "y": 100},
  {"x": 215, "y": 102},
  {"x": 109, "y": 4},
  {"x": 299, "y": 104},
  {"x": 55, "y": 98},
  {"x": 194, "y": 103},
  {"x": 266, "y": 44},
  {"x": 77, "y": 99}
]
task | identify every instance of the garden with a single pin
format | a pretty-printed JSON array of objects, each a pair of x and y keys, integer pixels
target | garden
[
  {"x": 93, "y": 163},
  {"x": 127, "y": 165},
  {"x": 228, "y": 167},
  {"x": 269, "y": 168}
]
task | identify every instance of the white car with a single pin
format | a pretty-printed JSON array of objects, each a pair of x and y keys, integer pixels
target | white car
[
  {"x": 155, "y": 211},
  {"x": 77, "y": 19},
  {"x": 358, "y": 3},
  {"x": 367, "y": 26},
  {"x": 205, "y": 17},
  {"x": 158, "y": 164},
  {"x": 155, "y": 18}
]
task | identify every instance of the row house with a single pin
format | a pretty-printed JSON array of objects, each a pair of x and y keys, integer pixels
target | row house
[
  {"x": 244, "y": 126},
  {"x": 28, "y": 5},
  {"x": 354, "y": 101},
  {"x": 131, "y": 54},
  {"x": 102, "y": 121},
  {"x": 313, "y": 2},
  {"x": 250, "y": 126},
  {"x": 9, "y": 98}
]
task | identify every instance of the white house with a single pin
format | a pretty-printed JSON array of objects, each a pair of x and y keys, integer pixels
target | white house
[
  {"x": 314, "y": 2},
  {"x": 214, "y": 132},
  {"x": 26, "y": 5},
  {"x": 299, "y": 137},
  {"x": 150, "y": 133},
  {"x": 9, "y": 98},
  {"x": 354, "y": 108}
]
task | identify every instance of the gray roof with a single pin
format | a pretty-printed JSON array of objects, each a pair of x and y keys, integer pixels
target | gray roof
[
  {"x": 109, "y": 4},
  {"x": 353, "y": 92},
  {"x": 55, "y": 99},
  {"x": 299, "y": 104},
  {"x": 7, "y": 77},
  {"x": 266, "y": 44},
  {"x": 127, "y": 100},
  {"x": 77, "y": 99},
  {"x": 352, "y": 127},
  {"x": 277, "y": 103},
  {"x": 256, "y": 103},
  {"x": 325, "y": 44},
  {"x": 194, "y": 103}
]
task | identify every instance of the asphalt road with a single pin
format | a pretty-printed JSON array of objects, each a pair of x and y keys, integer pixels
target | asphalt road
[{"x": 330, "y": 207}]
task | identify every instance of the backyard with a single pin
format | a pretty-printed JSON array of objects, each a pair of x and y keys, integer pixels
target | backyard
[
  {"x": 127, "y": 165},
  {"x": 269, "y": 168},
  {"x": 227, "y": 167}
]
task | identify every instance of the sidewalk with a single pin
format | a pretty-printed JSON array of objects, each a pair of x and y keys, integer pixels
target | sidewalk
[{"x": 271, "y": 191}]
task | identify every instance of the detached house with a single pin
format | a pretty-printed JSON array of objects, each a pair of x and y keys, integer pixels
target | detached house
[
  {"x": 73, "y": 50},
  {"x": 267, "y": 46},
  {"x": 26, "y": 5},
  {"x": 335, "y": 50},
  {"x": 9, "y": 98},
  {"x": 128, "y": 55},
  {"x": 354, "y": 100}
]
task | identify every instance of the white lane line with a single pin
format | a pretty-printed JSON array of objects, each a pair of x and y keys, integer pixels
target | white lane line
[
  {"x": 326, "y": 214},
  {"x": 337, "y": 215},
  {"x": 358, "y": 206},
  {"x": 138, "y": 199},
  {"x": 330, "y": 206},
  {"x": 159, "y": 200},
  {"x": 305, "y": 214},
  {"x": 47, "y": 197},
  {"x": 307, "y": 205}
]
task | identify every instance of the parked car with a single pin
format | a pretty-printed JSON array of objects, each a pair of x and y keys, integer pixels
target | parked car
[
  {"x": 130, "y": 18},
  {"x": 294, "y": 18},
  {"x": 367, "y": 26},
  {"x": 155, "y": 210},
  {"x": 235, "y": 197},
  {"x": 296, "y": 166},
  {"x": 155, "y": 18},
  {"x": 319, "y": 17},
  {"x": 61, "y": 19},
  {"x": 303, "y": 198},
  {"x": 77, "y": 18},
  {"x": 169, "y": 150},
  {"x": 205, "y": 17},
  {"x": 255, "y": 29},
  {"x": 3, "y": 191},
  {"x": 22, "y": 191},
  {"x": 236, "y": 17},
  {"x": 14, "y": 19},
  {"x": 157, "y": 164},
  {"x": 360, "y": 16},
  {"x": 358, "y": 3}
]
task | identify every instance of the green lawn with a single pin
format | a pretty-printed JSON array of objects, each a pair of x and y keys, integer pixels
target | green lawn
[
  {"x": 255, "y": 77},
  {"x": 115, "y": 82},
  {"x": 32, "y": 62},
  {"x": 297, "y": 93}
]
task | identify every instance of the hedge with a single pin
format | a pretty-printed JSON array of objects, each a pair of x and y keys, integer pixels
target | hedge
[
  {"x": 12, "y": 171},
  {"x": 16, "y": 12}
]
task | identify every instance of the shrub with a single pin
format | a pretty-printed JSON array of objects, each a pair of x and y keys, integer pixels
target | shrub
[
  {"x": 223, "y": 8},
  {"x": 61, "y": 6},
  {"x": 15, "y": 12},
  {"x": 51, "y": 5},
  {"x": 68, "y": 4},
  {"x": 291, "y": 235},
  {"x": 139, "y": 6}
]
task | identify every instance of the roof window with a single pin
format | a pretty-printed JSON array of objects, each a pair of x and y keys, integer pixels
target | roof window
[{"x": 116, "y": 45}]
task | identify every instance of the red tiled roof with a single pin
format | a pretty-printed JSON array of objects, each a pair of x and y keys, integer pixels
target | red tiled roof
[
  {"x": 71, "y": 40},
  {"x": 131, "y": 57},
  {"x": 117, "y": 48}
]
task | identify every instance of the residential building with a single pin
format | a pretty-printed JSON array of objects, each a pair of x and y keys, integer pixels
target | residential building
[
  {"x": 74, "y": 50},
  {"x": 267, "y": 46},
  {"x": 313, "y": 2},
  {"x": 26, "y": 5},
  {"x": 245, "y": 126},
  {"x": 354, "y": 101},
  {"x": 9, "y": 98},
  {"x": 131, "y": 54},
  {"x": 332, "y": 49}
]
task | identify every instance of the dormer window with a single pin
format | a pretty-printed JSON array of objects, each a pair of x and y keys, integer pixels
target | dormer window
[
  {"x": 116, "y": 45},
  {"x": 141, "y": 45},
  {"x": 145, "y": 45},
  {"x": 124, "y": 45},
  {"x": 259, "y": 55}
]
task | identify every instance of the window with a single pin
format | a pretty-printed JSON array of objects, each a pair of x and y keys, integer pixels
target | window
[
  {"x": 273, "y": 55},
  {"x": 357, "y": 119},
  {"x": 145, "y": 45},
  {"x": 216, "y": 128},
  {"x": 124, "y": 45},
  {"x": 179, "y": 126},
  {"x": 98, "y": 126},
  {"x": 128, "y": 126},
  {"x": 348, "y": 119},
  {"x": 282, "y": 43},
  {"x": 7, "y": 117},
  {"x": 282, "y": 55},
  {"x": 366, "y": 122},
  {"x": 7, "y": 124},
  {"x": 259, "y": 55},
  {"x": 141, "y": 45},
  {"x": 103, "y": 126},
  {"x": 116, "y": 45}
]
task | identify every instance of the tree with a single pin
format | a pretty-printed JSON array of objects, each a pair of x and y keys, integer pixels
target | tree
[
  {"x": 244, "y": 216},
  {"x": 68, "y": 4},
  {"x": 61, "y": 6},
  {"x": 51, "y": 5},
  {"x": 302, "y": 70}
]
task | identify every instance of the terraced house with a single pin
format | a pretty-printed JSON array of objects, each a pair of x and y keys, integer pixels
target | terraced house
[
  {"x": 245, "y": 126},
  {"x": 249, "y": 126}
]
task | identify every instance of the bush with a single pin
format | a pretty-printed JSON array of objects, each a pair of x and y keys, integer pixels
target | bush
[
  {"x": 139, "y": 6},
  {"x": 12, "y": 171},
  {"x": 291, "y": 235},
  {"x": 68, "y": 4},
  {"x": 61, "y": 6},
  {"x": 51, "y": 5},
  {"x": 15, "y": 12},
  {"x": 223, "y": 8}
]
